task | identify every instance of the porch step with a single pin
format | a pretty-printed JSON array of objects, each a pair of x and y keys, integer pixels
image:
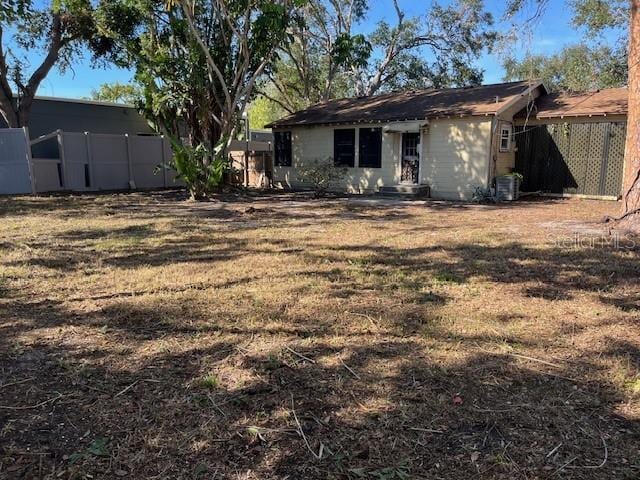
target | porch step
[{"x": 406, "y": 190}]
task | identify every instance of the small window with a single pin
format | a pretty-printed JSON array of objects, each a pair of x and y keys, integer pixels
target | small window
[
  {"x": 505, "y": 137},
  {"x": 282, "y": 142},
  {"x": 344, "y": 147},
  {"x": 370, "y": 148}
]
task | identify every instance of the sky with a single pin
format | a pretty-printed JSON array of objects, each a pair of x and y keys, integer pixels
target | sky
[{"x": 551, "y": 33}]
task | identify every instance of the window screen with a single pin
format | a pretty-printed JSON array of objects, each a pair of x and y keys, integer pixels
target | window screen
[
  {"x": 344, "y": 147},
  {"x": 370, "y": 148},
  {"x": 282, "y": 149}
]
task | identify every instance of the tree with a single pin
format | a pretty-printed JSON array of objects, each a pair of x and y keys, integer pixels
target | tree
[
  {"x": 198, "y": 63},
  {"x": 58, "y": 29},
  {"x": 327, "y": 59},
  {"x": 263, "y": 111},
  {"x": 631, "y": 183},
  {"x": 117, "y": 93},
  {"x": 598, "y": 16},
  {"x": 575, "y": 68}
]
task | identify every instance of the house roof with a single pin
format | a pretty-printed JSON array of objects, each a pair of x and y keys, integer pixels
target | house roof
[
  {"x": 610, "y": 101},
  {"x": 411, "y": 105}
]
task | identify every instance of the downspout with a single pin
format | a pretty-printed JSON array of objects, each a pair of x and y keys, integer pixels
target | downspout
[{"x": 491, "y": 167}]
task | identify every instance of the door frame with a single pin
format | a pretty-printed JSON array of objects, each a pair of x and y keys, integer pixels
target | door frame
[{"x": 401, "y": 155}]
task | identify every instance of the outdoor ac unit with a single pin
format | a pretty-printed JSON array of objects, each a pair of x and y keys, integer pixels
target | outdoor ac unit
[{"x": 507, "y": 188}]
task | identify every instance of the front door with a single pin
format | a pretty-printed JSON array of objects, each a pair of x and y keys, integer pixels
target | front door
[{"x": 410, "y": 158}]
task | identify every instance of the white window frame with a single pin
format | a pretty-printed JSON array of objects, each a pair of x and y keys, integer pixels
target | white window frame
[{"x": 508, "y": 129}]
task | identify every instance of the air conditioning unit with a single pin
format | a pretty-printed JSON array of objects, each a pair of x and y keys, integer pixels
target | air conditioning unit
[{"x": 507, "y": 188}]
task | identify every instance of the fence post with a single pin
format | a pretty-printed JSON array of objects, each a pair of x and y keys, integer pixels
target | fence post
[
  {"x": 164, "y": 162},
  {"x": 132, "y": 183},
  {"x": 32, "y": 176},
  {"x": 63, "y": 162},
  {"x": 92, "y": 181}
]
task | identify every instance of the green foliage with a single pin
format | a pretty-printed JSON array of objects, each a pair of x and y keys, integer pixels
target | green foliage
[
  {"x": 197, "y": 63},
  {"x": 263, "y": 111},
  {"x": 117, "y": 93},
  {"x": 209, "y": 381},
  {"x": 482, "y": 195},
  {"x": 599, "y": 15},
  {"x": 575, "y": 68},
  {"x": 327, "y": 59},
  {"x": 321, "y": 174},
  {"x": 201, "y": 169}
]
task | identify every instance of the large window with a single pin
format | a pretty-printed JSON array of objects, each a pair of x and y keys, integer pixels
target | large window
[
  {"x": 282, "y": 149},
  {"x": 344, "y": 147},
  {"x": 370, "y": 148},
  {"x": 505, "y": 137}
]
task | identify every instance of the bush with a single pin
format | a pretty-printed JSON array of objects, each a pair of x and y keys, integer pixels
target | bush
[
  {"x": 320, "y": 175},
  {"x": 200, "y": 168}
]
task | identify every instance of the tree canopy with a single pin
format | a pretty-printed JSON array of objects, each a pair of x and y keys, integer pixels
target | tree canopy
[
  {"x": 328, "y": 59},
  {"x": 58, "y": 30}
]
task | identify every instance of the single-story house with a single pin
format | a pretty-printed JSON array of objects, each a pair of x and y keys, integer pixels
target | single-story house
[{"x": 449, "y": 140}]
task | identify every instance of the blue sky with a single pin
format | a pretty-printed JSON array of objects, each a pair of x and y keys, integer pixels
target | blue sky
[{"x": 551, "y": 33}]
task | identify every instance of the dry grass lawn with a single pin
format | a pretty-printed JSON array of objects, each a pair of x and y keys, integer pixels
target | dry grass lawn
[{"x": 143, "y": 336}]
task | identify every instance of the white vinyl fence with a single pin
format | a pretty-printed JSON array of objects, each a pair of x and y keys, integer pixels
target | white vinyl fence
[
  {"x": 83, "y": 162},
  {"x": 15, "y": 164}
]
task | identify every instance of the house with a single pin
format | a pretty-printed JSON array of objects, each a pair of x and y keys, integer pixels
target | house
[{"x": 449, "y": 141}]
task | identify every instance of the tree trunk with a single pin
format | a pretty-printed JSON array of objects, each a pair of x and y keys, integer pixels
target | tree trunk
[{"x": 631, "y": 184}]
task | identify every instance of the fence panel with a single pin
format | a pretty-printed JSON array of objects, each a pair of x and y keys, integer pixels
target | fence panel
[
  {"x": 15, "y": 177},
  {"x": 146, "y": 159},
  {"x": 109, "y": 159},
  {"x": 75, "y": 162}
]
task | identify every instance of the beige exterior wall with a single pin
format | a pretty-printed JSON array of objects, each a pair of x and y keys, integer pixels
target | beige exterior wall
[
  {"x": 505, "y": 162},
  {"x": 455, "y": 156},
  {"x": 311, "y": 144}
]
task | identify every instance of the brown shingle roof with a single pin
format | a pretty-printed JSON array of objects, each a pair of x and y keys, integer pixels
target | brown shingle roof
[
  {"x": 410, "y": 105},
  {"x": 610, "y": 101}
]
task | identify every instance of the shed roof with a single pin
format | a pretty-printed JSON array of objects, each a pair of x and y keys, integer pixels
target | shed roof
[
  {"x": 610, "y": 101},
  {"x": 411, "y": 105}
]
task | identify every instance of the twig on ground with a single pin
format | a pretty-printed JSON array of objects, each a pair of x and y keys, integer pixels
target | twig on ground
[
  {"x": 17, "y": 383},
  {"x": 300, "y": 355},
  {"x": 317, "y": 456},
  {"x": 368, "y": 317},
  {"x": 126, "y": 389},
  {"x": 564, "y": 465},
  {"x": 29, "y": 407},
  {"x": 350, "y": 370},
  {"x": 428, "y": 430},
  {"x": 554, "y": 450},
  {"x": 604, "y": 460}
]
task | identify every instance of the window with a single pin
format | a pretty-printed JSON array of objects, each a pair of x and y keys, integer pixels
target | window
[
  {"x": 370, "y": 148},
  {"x": 282, "y": 142},
  {"x": 344, "y": 147},
  {"x": 505, "y": 137}
]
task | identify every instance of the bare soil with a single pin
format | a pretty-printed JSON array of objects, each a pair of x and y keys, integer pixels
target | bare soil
[{"x": 280, "y": 337}]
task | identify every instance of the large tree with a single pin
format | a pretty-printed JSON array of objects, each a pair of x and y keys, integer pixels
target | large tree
[
  {"x": 598, "y": 16},
  {"x": 57, "y": 30},
  {"x": 328, "y": 59},
  {"x": 630, "y": 217},
  {"x": 573, "y": 69},
  {"x": 198, "y": 62}
]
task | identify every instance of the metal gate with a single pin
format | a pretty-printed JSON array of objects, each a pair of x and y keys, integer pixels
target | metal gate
[{"x": 571, "y": 158}]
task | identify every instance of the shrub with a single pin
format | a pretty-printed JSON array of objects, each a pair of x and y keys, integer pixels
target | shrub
[{"x": 320, "y": 175}]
